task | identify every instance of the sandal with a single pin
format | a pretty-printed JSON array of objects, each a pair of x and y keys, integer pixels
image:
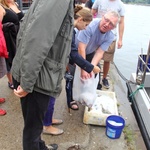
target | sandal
[
  {"x": 73, "y": 103},
  {"x": 2, "y": 100},
  {"x": 2, "y": 112}
]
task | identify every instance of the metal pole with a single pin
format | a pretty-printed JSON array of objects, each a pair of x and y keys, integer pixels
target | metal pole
[{"x": 146, "y": 64}]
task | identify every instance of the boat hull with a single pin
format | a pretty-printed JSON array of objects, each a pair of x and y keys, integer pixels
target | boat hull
[{"x": 140, "y": 103}]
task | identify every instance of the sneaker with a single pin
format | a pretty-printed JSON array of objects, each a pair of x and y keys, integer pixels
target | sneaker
[
  {"x": 105, "y": 83},
  {"x": 2, "y": 100},
  {"x": 52, "y": 147}
]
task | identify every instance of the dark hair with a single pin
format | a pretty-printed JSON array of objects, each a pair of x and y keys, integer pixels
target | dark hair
[{"x": 83, "y": 12}]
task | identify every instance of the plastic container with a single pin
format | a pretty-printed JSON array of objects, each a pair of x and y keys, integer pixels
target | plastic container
[
  {"x": 114, "y": 126},
  {"x": 95, "y": 116}
]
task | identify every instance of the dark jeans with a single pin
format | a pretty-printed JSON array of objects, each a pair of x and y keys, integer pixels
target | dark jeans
[
  {"x": 49, "y": 113},
  {"x": 69, "y": 85},
  {"x": 34, "y": 107},
  {"x": 89, "y": 57}
]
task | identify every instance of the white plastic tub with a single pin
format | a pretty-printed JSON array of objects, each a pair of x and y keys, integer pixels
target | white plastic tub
[{"x": 104, "y": 106}]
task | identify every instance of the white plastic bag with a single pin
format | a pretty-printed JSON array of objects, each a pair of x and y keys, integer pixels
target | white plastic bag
[{"x": 84, "y": 90}]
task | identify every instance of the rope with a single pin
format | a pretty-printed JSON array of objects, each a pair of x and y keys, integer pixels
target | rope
[
  {"x": 123, "y": 77},
  {"x": 129, "y": 81},
  {"x": 133, "y": 93}
]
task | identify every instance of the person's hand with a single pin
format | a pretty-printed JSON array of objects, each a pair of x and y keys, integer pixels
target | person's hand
[
  {"x": 96, "y": 69},
  {"x": 119, "y": 44},
  {"x": 85, "y": 75},
  {"x": 20, "y": 92}
]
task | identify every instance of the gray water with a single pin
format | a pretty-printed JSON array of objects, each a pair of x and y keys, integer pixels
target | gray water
[{"x": 136, "y": 37}]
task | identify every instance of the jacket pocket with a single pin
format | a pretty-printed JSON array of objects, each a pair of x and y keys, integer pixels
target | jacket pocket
[{"x": 50, "y": 77}]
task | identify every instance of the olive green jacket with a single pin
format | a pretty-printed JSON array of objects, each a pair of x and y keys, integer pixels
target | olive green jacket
[{"x": 43, "y": 46}]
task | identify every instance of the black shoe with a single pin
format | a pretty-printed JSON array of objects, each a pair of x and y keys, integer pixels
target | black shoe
[
  {"x": 11, "y": 86},
  {"x": 105, "y": 83},
  {"x": 52, "y": 147},
  {"x": 99, "y": 86}
]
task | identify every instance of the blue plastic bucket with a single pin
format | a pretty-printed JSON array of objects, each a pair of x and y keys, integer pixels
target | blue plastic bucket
[{"x": 114, "y": 126}]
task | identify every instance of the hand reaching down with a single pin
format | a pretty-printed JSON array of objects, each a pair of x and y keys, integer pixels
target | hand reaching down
[{"x": 96, "y": 69}]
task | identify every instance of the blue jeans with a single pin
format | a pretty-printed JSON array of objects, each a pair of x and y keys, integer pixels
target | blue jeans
[{"x": 49, "y": 113}]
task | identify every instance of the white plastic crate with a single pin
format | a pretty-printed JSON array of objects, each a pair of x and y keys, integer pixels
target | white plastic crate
[{"x": 104, "y": 106}]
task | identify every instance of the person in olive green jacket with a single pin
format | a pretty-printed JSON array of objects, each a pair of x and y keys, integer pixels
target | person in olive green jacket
[{"x": 43, "y": 48}]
